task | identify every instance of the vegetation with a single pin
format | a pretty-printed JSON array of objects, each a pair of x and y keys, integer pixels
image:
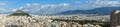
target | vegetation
[
  {"x": 19, "y": 14},
  {"x": 105, "y": 24},
  {"x": 14, "y": 26}
]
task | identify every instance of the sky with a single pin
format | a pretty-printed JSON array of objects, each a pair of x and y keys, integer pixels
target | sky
[{"x": 54, "y": 6}]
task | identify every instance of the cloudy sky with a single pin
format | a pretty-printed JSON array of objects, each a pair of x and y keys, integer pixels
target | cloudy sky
[{"x": 54, "y": 6}]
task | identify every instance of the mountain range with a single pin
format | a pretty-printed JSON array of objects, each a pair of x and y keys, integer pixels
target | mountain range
[{"x": 100, "y": 11}]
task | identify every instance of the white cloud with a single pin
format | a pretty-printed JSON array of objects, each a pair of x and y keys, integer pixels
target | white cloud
[
  {"x": 6, "y": 10},
  {"x": 27, "y": 5},
  {"x": 104, "y": 3},
  {"x": 3, "y": 3},
  {"x": 64, "y": 4},
  {"x": 2, "y": 9},
  {"x": 49, "y": 6},
  {"x": 46, "y": 8},
  {"x": 56, "y": 8},
  {"x": 91, "y": 4},
  {"x": 32, "y": 5}
]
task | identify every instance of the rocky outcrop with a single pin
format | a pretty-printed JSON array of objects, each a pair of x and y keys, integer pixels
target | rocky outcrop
[{"x": 115, "y": 18}]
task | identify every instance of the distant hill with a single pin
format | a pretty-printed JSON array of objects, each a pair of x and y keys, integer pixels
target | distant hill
[
  {"x": 101, "y": 11},
  {"x": 19, "y": 13}
]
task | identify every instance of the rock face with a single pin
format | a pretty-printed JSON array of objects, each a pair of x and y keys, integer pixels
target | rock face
[
  {"x": 19, "y": 13},
  {"x": 115, "y": 18}
]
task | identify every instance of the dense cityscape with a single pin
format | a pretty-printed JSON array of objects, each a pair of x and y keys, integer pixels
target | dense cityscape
[
  {"x": 20, "y": 19},
  {"x": 59, "y": 13}
]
